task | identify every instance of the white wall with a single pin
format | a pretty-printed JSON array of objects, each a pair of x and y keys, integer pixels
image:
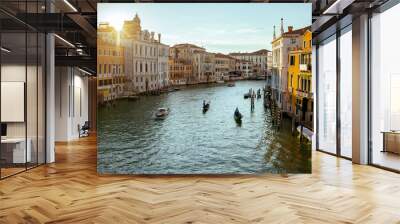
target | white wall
[{"x": 71, "y": 102}]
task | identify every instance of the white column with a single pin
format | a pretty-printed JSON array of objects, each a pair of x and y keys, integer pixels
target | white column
[
  {"x": 360, "y": 90},
  {"x": 50, "y": 99}
]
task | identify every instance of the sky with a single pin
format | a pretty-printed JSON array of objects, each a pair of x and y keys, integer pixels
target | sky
[{"x": 224, "y": 28}]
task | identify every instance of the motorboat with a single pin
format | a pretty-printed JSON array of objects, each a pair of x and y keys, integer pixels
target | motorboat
[
  {"x": 232, "y": 84},
  {"x": 162, "y": 113},
  {"x": 246, "y": 95}
]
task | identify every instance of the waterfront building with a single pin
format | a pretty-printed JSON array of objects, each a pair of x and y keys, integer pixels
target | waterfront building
[
  {"x": 261, "y": 61},
  {"x": 224, "y": 66},
  {"x": 146, "y": 58},
  {"x": 281, "y": 46},
  {"x": 179, "y": 71},
  {"x": 110, "y": 64},
  {"x": 299, "y": 82},
  {"x": 203, "y": 62},
  {"x": 245, "y": 68}
]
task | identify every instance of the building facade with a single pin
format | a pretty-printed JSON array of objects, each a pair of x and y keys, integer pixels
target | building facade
[
  {"x": 110, "y": 64},
  {"x": 244, "y": 68},
  {"x": 260, "y": 60},
  {"x": 179, "y": 71},
  {"x": 281, "y": 46},
  {"x": 224, "y": 66},
  {"x": 202, "y": 62},
  {"x": 146, "y": 58}
]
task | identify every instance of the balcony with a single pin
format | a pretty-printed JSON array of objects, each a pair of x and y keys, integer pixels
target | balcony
[
  {"x": 304, "y": 94},
  {"x": 305, "y": 67}
]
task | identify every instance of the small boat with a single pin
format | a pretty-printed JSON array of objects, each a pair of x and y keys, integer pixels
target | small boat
[
  {"x": 231, "y": 84},
  {"x": 220, "y": 82},
  {"x": 177, "y": 89},
  {"x": 237, "y": 116},
  {"x": 206, "y": 106},
  {"x": 246, "y": 95},
  {"x": 162, "y": 113}
]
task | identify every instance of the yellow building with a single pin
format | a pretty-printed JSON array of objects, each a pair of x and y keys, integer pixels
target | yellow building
[
  {"x": 179, "y": 71},
  {"x": 300, "y": 81},
  {"x": 110, "y": 64}
]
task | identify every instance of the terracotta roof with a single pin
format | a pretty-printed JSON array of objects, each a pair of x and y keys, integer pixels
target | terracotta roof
[
  {"x": 219, "y": 55},
  {"x": 187, "y": 45},
  {"x": 262, "y": 51},
  {"x": 298, "y": 31}
]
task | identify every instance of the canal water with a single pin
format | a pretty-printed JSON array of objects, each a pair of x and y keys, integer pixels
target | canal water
[{"x": 188, "y": 141}]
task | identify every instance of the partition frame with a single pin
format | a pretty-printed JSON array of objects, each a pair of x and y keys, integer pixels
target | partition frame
[{"x": 44, "y": 94}]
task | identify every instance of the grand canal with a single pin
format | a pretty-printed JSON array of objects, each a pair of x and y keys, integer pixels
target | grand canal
[{"x": 188, "y": 141}]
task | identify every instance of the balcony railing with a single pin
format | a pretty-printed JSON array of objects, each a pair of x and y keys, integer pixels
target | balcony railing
[
  {"x": 304, "y": 94},
  {"x": 305, "y": 67}
]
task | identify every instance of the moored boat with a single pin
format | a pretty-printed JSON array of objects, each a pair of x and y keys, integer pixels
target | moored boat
[{"x": 232, "y": 84}]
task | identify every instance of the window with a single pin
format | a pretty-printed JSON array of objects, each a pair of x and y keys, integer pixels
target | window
[
  {"x": 327, "y": 96},
  {"x": 346, "y": 93},
  {"x": 292, "y": 59},
  {"x": 385, "y": 89}
]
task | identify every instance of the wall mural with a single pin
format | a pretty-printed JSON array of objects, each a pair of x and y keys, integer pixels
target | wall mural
[{"x": 204, "y": 88}]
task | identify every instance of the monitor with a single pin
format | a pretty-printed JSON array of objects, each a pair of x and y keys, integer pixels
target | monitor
[{"x": 3, "y": 129}]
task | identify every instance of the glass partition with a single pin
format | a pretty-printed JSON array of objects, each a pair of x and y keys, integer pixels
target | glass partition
[
  {"x": 385, "y": 89},
  {"x": 346, "y": 92},
  {"x": 327, "y": 95},
  {"x": 13, "y": 109},
  {"x": 22, "y": 77}
]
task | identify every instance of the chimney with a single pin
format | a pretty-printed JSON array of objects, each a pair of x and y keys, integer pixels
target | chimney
[
  {"x": 159, "y": 38},
  {"x": 290, "y": 28},
  {"x": 282, "y": 30}
]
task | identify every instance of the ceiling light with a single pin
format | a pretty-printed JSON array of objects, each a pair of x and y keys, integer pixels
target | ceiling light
[
  {"x": 337, "y": 7},
  {"x": 70, "y": 5},
  {"x": 64, "y": 40},
  {"x": 5, "y": 50},
  {"x": 86, "y": 72}
]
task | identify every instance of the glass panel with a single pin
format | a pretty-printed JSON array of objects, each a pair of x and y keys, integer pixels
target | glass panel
[
  {"x": 346, "y": 93},
  {"x": 31, "y": 98},
  {"x": 13, "y": 87},
  {"x": 327, "y": 96},
  {"x": 385, "y": 92}
]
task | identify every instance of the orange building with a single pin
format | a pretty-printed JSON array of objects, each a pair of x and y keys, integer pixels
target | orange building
[
  {"x": 110, "y": 64},
  {"x": 179, "y": 71}
]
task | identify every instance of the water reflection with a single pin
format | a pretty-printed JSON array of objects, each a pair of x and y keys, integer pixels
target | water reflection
[{"x": 188, "y": 141}]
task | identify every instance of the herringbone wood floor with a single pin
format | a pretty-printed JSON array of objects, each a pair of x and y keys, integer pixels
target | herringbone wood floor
[{"x": 70, "y": 191}]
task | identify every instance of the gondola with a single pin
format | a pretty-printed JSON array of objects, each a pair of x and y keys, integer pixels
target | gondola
[
  {"x": 206, "y": 107},
  {"x": 238, "y": 117}
]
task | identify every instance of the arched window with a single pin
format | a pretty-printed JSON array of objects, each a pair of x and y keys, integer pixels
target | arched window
[
  {"x": 141, "y": 69},
  {"x": 146, "y": 68}
]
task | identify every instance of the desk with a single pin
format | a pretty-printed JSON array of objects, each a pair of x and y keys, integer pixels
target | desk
[
  {"x": 391, "y": 141},
  {"x": 16, "y": 147}
]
